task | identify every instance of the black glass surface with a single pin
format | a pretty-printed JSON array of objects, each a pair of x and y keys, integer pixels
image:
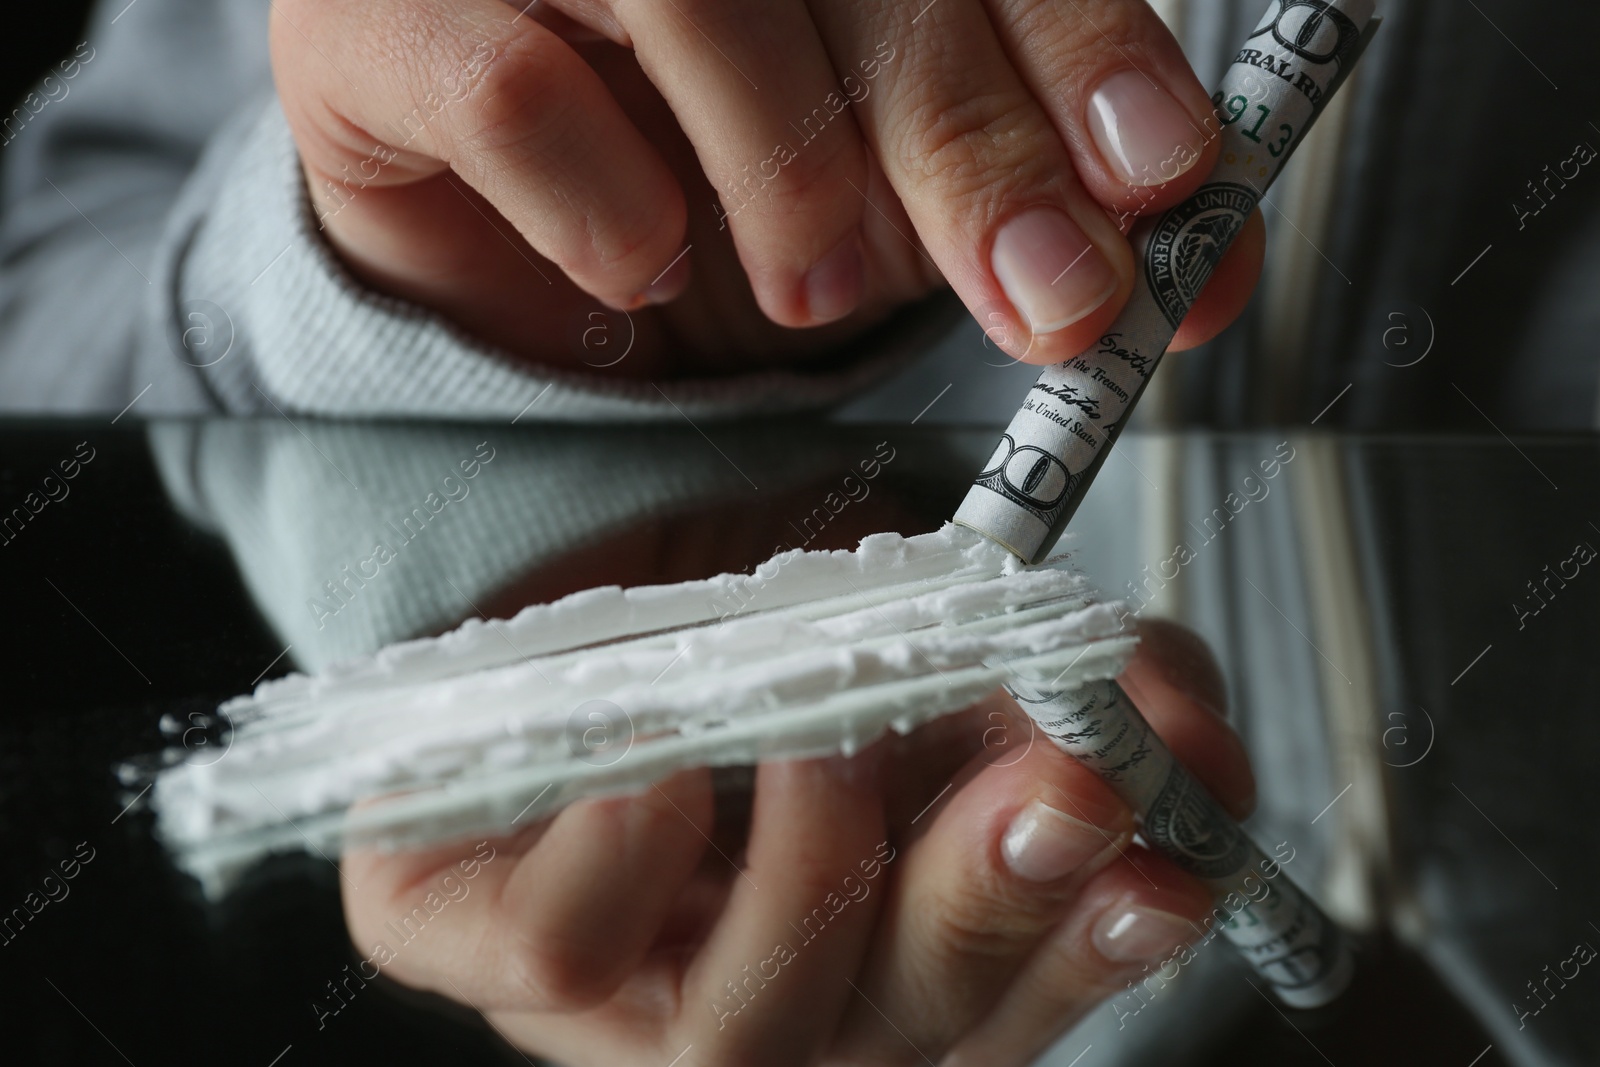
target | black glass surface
[{"x": 130, "y": 603}]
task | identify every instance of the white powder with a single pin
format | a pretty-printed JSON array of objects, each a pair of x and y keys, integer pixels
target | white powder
[{"x": 814, "y": 653}]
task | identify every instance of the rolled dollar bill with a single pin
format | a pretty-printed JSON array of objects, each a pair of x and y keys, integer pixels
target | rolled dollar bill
[
  {"x": 1276, "y": 928},
  {"x": 1277, "y": 84}
]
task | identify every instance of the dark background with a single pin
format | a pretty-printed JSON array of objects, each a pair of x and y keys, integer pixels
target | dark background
[
  {"x": 162, "y": 976},
  {"x": 34, "y": 41},
  {"x": 121, "y": 613}
]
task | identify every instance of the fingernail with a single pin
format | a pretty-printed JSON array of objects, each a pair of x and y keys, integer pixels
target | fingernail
[
  {"x": 1128, "y": 933},
  {"x": 1043, "y": 844},
  {"x": 1049, "y": 270},
  {"x": 834, "y": 284},
  {"x": 670, "y": 284},
  {"x": 1147, "y": 136}
]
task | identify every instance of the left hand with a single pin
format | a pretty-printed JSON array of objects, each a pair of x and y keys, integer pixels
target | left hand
[
  {"x": 933, "y": 897},
  {"x": 730, "y": 171}
]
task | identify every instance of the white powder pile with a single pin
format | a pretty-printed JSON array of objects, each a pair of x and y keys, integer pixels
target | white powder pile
[{"x": 498, "y": 724}]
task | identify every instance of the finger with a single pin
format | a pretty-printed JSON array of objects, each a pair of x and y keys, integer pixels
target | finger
[
  {"x": 387, "y": 94},
  {"x": 985, "y": 177},
  {"x": 1139, "y": 126},
  {"x": 447, "y": 891},
  {"x": 999, "y": 866},
  {"x": 384, "y": 875},
  {"x": 1177, "y": 684},
  {"x": 772, "y": 977},
  {"x": 581, "y": 912},
  {"x": 770, "y": 120},
  {"x": 556, "y": 917},
  {"x": 1232, "y": 283},
  {"x": 1128, "y": 928},
  {"x": 1137, "y": 123}
]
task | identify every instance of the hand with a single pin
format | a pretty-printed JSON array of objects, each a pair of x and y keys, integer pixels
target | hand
[
  {"x": 937, "y": 896},
  {"x": 497, "y": 166}
]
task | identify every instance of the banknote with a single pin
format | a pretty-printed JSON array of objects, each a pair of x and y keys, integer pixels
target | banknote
[
  {"x": 1276, "y": 928},
  {"x": 1279, "y": 81}
]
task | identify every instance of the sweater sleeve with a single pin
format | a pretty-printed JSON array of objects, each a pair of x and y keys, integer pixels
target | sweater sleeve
[
  {"x": 95, "y": 157},
  {"x": 159, "y": 247}
]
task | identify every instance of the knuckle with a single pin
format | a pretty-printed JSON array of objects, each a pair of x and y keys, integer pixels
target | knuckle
[
  {"x": 961, "y": 145},
  {"x": 814, "y": 174},
  {"x": 522, "y": 104},
  {"x": 1074, "y": 47},
  {"x": 525, "y": 118},
  {"x": 1094, "y": 26},
  {"x": 974, "y": 921},
  {"x": 644, "y": 241},
  {"x": 550, "y": 974}
]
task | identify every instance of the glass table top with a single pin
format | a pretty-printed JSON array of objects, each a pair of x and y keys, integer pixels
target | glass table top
[{"x": 1408, "y": 626}]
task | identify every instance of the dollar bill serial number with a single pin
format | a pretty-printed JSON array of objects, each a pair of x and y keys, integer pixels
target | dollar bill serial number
[{"x": 1252, "y": 121}]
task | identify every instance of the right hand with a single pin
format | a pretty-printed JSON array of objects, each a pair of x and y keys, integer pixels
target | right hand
[{"x": 516, "y": 172}]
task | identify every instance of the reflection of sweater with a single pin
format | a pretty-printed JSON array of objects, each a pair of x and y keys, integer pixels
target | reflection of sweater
[
  {"x": 351, "y": 536},
  {"x": 156, "y": 234}
]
